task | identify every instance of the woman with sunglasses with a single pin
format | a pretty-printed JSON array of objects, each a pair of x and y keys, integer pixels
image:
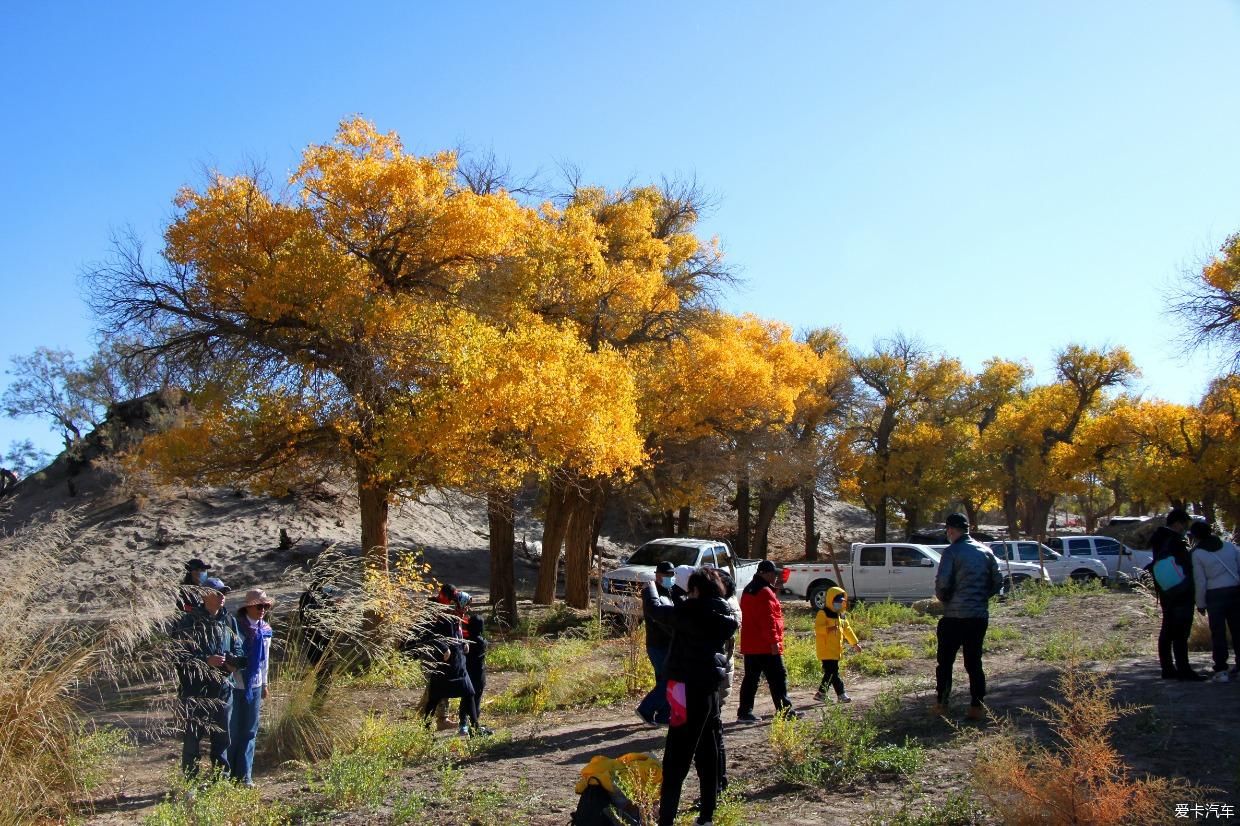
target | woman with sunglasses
[{"x": 249, "y": 683}]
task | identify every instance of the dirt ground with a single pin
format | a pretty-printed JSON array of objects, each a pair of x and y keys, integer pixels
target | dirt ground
[{"x": 1184, "y": 730}]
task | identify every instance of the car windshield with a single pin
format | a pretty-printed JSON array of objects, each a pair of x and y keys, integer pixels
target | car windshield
[{"x": 653, "y": 553}]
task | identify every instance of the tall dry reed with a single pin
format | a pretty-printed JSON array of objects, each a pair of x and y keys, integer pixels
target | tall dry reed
[{"x": 48, "y": 658}]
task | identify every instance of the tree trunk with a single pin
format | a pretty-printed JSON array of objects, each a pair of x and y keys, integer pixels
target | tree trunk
[
  {"x": 578, "y": 550},
  {"x": 911, "y": 514},
  {"x": 374, "y": 499},
  {"x": 555, "y": 525},
  {"x": 1012, "y": 514},
  {"x": 682, "y": 521},
  {"x": 503, "y": 542},
  {"x": 971, "y": 512},
  {"x": 669, "y": 523},
  {"x": 742, "y": 516},
  {"x": 1039, "y": 510},
  {"x": 768, "y": 504},
  {"x": 880, "y": 520},
  {"x": 812, "y": 536}
]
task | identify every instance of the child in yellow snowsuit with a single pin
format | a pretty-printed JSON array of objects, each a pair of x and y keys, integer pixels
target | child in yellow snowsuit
[{"x": 831, "y": 629}]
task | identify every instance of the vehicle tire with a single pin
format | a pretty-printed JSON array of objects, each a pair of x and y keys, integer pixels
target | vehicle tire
[
  {"x": 817, "y": 595},
  {"x": 1083, "y": 575}
]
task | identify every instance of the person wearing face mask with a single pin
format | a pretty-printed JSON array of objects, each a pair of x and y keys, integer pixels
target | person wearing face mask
[
  {"x": 196, "y": 573},
  {"x": 701, "y": 625},
  {"x": 653, "y": 709},
  {"x": 831, "y": 629}
]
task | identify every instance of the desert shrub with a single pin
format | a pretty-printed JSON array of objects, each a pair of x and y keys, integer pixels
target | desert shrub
[
  {"x": 1081, "y": 779},
  {"x": 48, "y": 759},
  {"x": 561, "y": 686},
  {"x": 801, "y": 661},
  {"x": 868, "y": 617},
  {"x": 348, "y": 780},
  {"x": 1199, "y": 639},
  {"x": 999, "y": 638},
  {"x": 306, "y": 717},
  {"x": 959, "y": 809},
  {"x": 837, "y": 749},
  {"x": 1064, "y": 646},
  {"x": 930, "y": 645},
  {"x": 219, "y": 803},
  {"x": 641, "y": 785},
  {"x": 406, "y": 742},
  {"x": 876, "y": 659}
]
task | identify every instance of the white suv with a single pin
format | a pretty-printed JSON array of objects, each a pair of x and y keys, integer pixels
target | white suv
[
  {"x": 1107, "y": 550},
  {"x": 1061, "y": 568}
]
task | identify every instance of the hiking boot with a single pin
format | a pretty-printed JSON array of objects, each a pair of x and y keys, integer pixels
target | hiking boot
[
  {"x": 788, "y": 713},
  {"x": 843, "y": 698},
  {"x": 820, "y": 695},
  {"x": 648, "y": 720},
  {"x": 481, "y": 731},
  {"x": 463, "y": 731},
  {"x": 976, "y": 713},
  {"x": 748, "y": 717},
  {"x": 938, "y": 710},
  {"x": 1222, "y": 677},
  {"x": 1170, "y": 674},
  {"x": 1190, "y": 676}
]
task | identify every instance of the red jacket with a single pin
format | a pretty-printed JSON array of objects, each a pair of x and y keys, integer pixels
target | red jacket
[{"x": 762, "y": 618}]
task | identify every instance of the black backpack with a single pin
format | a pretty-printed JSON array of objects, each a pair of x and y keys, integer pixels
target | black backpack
[{"x": 596, "y": 808}]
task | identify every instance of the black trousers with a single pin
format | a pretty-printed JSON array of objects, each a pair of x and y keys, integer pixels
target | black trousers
[
  {"x": 831, "y": 677},
  {"x": 772, "y": 667},
  {"x": 955, "y": 633},
  {"x": 1223, "y": 611},
  {"x": 437, "y": 690},
  {"x": 694, "y": 741},
  {"x": 478, "y": 677},
  {"x": 1177, "y": 624}
]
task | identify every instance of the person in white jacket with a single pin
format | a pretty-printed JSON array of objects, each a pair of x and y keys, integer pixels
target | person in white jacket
[{"x": 1216, "y": 577}]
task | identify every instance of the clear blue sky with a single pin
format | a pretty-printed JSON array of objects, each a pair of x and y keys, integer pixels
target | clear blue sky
[{"x": 993, "y": 178}]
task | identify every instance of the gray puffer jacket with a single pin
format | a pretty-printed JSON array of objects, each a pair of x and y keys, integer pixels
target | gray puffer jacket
[{"x": 967, "y": 578}]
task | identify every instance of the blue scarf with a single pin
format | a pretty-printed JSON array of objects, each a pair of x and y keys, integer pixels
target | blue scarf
[{"x": 257, "y": 632}]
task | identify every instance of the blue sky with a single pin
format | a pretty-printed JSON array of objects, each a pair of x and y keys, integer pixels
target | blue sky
[{"x": 992, "y": 178}]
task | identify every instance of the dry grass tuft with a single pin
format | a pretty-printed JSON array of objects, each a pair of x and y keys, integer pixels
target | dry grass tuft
[
  {"x": 46, "y": 660},
  {"x": 1084, "y": 780}
]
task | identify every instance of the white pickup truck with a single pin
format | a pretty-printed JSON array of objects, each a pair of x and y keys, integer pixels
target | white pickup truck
[
  {"x": 622, "y": 586},
  {"x": 896, "y": 571}
]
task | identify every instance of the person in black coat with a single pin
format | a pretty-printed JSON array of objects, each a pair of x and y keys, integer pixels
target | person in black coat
[
  {"x": 1176, "y": 603},
  {"x": 701, "y": 626},
  {"x": 473, "y": 631},
  {"x": 653, "y": 709}
]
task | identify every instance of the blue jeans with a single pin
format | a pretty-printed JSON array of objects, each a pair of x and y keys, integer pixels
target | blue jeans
[
  {"x": 654, "y": 704},
  {"x": 205, "y": 717},
  {"x": 244, "y": 732}
]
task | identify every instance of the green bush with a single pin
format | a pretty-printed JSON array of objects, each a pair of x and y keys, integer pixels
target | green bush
[
  {"x": 1061, "y": 646},
  {"x": 876, "y": 658},
  {"x": 999, "y": 638},
  {"x": 219, "y": 803},
  {"x": 350, "y": 780},
  {"x": 838, "y": 749}
]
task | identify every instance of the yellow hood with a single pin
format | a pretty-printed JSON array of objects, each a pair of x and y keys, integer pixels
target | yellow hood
[{"x": 833, "y": 593}]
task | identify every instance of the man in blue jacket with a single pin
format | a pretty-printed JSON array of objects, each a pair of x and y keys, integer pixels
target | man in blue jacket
[
  {"x": 967, "y": 578},
  {"x": 210, "y": 649}
]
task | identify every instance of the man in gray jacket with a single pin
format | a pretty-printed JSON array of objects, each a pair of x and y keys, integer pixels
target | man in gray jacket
[{"x": 967, "y": 578}]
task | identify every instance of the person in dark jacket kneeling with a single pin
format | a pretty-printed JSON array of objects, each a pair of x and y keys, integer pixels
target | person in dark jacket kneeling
[{"x": 701, "y": 625}]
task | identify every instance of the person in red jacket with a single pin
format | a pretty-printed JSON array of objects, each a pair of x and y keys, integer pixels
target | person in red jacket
[{"x": 762, "y": 643}]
